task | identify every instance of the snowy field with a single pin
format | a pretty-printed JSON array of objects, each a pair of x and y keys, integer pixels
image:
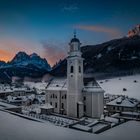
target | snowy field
[
  {"x": 17, "y": 128},
  {"x": 116, "y": 86}
]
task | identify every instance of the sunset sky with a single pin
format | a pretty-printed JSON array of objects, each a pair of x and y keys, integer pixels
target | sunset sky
[{"x": 46, "y": 26}]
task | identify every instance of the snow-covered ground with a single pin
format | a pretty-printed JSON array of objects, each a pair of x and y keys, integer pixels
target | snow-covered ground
[
  {"x": 17, "y": 128},
  {"x": 116, "y": 86}
]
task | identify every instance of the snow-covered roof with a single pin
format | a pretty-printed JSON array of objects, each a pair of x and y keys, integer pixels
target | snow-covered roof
[
  {"x": 37, "y": 85},
  {"x": 111, "y": 119},
  {"x": 57, "y": 84},
  {"x": 124, "y": 102},
  {"x": 47, "y": 106},
  {"x": 90, "y": 85},
  {"x": 10, "y": 89},
  {"x": 93, "y": 89},
  {"x": 131, "y": 113}
]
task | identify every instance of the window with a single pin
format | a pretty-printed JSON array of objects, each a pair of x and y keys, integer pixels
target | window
[
  {"x": 50, "y": 103},
  {"x": 84, "y": 108},
  {"x": 79, "y": 69},
  {"x": 71, "y": 69},
  {"x": 84, "y": 98},
  {"x": 62, "y": 105},
  {"x": 55, "y": 105},
  {"x": 65, "y": 96}
]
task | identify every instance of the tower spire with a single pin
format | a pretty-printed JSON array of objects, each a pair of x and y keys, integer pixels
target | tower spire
[{"x": 74, "y": 33}]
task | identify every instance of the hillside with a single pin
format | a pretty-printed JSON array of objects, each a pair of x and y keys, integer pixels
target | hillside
[
  {"x": 119, "y": 56},
  {"x": 115, "y": 86}
]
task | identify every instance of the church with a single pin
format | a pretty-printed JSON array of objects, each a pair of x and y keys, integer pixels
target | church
[{"x": 75, "y": 96}]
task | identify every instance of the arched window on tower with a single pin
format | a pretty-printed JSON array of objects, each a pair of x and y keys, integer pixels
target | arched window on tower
[
  {"x": 62, "y": 105},
  {"x": 71, "y": 69},
  {"x": 79, "y": 69}
]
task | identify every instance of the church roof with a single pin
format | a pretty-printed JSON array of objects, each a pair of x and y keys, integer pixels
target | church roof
[
  {"x": 57, "y": 84},
  {"x": 60, "y": 84},
  {"x": 74, "y": 40},
  {"x": 91, "y": 85}
]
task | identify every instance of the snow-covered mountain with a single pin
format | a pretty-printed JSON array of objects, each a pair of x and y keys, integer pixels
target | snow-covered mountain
[
  {"x": 22, "y": 59},
  {"x": 134, "y": 32},
  {"x": 2, "y": 63},
  {"x": 24, "y": 65}
]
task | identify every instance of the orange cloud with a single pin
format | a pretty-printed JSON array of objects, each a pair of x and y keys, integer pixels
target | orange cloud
[
  {"x": 4, "y": 55},
  {"x": 97, "y": 28},
  {"x": 53, "y": 53},
  {"x": 9, "y": 47}
]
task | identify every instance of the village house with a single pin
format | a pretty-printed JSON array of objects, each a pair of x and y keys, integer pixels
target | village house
[{"x": 122, "y": 104}]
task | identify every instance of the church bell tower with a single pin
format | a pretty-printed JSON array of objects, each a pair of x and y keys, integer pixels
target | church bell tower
[{"x": 75, "y": 79}]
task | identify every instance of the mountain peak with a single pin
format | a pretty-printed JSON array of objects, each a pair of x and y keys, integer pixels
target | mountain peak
[
  {"x": 24, "y": 60},
  {"x": 19, "y": 57},
  {"x": 34, "y": 55},
  {"x": 21, "y": 53},
  {"x": 134, "y": 32}
]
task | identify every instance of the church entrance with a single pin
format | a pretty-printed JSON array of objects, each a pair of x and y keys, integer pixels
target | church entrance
[
  {"x": 80, "y": 111},
  {"x": 62, "y": 112}
]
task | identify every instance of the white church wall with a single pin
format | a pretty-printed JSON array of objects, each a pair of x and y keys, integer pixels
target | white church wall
[
  {"x": 88, "y": 104},
  {"x": 94, "y": 104},
  {"x": 97, "y": 105},
  {"x": 52, "y": 97},
  {"x": 56, "y": 100},
  {"x": 63, "y": 102}
]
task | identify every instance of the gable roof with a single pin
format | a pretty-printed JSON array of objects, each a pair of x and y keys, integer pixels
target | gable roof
[
  {"x": 60, "y": 84},
  {"x": 57, "y": 84},
  {"x": 124, "y": 102}
]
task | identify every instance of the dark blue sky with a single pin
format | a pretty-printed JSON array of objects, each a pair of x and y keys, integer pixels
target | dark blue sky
[{"x": 46, "y": 26}]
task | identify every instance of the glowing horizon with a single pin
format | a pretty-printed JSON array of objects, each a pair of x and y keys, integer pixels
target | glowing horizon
[{"x": 26, "y": 24}]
